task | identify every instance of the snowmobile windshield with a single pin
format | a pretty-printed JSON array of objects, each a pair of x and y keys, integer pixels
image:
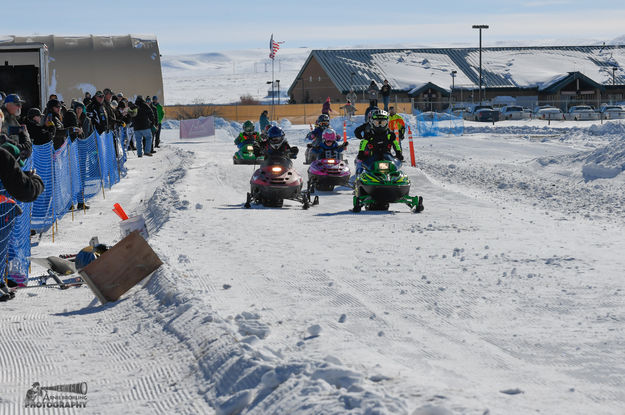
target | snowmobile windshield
[{"x": 277, "y": 160}]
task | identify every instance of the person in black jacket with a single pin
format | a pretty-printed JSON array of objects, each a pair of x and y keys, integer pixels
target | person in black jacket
[
  {"x": 143, "y": 122},
  {"x": 97, "y": 113},
  {"x": 39, "y": 133},
  {"x": 23, "y": 186},
  {"x": 109, "y": 107},
  {"x": 77, "y": 122},
  {"x": 53, "y": 119},
  {"x": 385, "y": 91},
  {"x": 12, "y": 128},
  {"x": 20, "y": 185}
]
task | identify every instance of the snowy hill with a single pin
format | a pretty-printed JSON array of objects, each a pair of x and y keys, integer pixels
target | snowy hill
[{"x": 222, "y": 78}]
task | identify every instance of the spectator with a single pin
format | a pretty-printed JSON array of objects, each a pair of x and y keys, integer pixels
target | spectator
[
  {"x": 349, "y": 110},
  {"x": 264, "y": 120},
  {"x": 77, "y": 122},
  {"x": 352, "y": 97},
  {"x": 386, "y": 94},
  {"x": 87, "y": 99},
  {"x": 325, "y": 108},
  {"x": 372, "y": 94},
  {"x": 153, "y": 128},
  {"x": 112, "y": 122},
  {"x": 396, "y": 122},
  {"x": 143, "y": 123},
  {"x": 160, "y": 114},
  {"x": 15, "y": 132},
  {"x": 39, "y": 133},
  {"x": 97, "y": 113},
  {"x": 63, "y": 107},
  {"x": 23, "y": 186},
  {"x": 132, "y": 113},
  {"x": 54, "y": 119}
]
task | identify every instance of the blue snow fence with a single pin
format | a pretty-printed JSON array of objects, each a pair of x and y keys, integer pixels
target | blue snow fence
[
  {"x": 431, "y": 124},
  {"x": 74, "y": 173}
]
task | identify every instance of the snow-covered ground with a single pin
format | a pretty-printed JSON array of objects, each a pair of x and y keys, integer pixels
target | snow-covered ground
[{"x": 504, "y": 296}]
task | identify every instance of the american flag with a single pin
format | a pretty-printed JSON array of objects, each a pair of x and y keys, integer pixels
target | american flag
[{"x": 273, "y": 47}]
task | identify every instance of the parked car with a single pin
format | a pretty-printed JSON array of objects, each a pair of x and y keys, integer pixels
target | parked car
[
  {"x": 511, "y": 112},
  {"x": 612, "y": 112},
  {"x": 582, "y": 112},
  {"x": 469, "y": 115},
  {"x": 549, "y": 113},
  {"x": 459, "y": 111},
  {"x": 486, "y": 114}
]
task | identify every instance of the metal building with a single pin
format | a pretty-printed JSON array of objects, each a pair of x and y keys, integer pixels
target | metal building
[{"x": 77, "y": 64}]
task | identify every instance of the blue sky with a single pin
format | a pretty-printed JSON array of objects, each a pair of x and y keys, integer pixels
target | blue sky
[{"x": 195, "y": 26}]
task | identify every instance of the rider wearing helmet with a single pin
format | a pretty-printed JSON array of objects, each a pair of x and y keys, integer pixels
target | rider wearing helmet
[
  {"x": 275, "y": 145},
  {"x": 321, "y": 124},
  {"x": 363, "y": 130},
  {"x": 328, "y": 146},
  {"x": 379, "y": 140},
  {"x": 248, "y": 136}
]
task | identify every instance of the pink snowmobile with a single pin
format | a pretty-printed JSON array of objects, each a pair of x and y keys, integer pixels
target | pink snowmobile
[{"x": 329, "y": 169}]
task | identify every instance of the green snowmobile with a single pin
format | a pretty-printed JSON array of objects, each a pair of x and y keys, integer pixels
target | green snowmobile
[
  {"x": 245, "y": 142},
  {"x": 381, "y": 184},
  {"x": 245, "y": 155}
]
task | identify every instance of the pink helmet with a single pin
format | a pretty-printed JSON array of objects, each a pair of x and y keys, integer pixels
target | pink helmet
[{"x": 329, "y": 135}]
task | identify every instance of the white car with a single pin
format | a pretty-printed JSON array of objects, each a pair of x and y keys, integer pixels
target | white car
[
  {"x": 511, "y": 112},
  {"x": 612, "y": 112},
  {"x": 549, "y": 113},
  {"x": 582, "y": 112}
]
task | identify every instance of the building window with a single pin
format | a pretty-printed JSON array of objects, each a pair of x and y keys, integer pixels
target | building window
[
  {"x": 310, "y": 78},
  {"x": 319, "y": 79}
]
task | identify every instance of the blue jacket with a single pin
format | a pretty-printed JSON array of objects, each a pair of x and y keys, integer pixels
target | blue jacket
[
  {"x": 264, "y": 122},
  {"x": 324, "y": 151}
]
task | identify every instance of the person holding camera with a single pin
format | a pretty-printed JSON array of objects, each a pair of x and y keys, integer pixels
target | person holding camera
[
  {"x": 14, "y": 132},
  {"x": 97, "y": 113},
  {"x": 39, "y": 133},
  {"x": 53, "y": 119}
]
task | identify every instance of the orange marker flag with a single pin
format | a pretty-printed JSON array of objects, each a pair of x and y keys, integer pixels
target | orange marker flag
[{"x": 119, "y": 211}]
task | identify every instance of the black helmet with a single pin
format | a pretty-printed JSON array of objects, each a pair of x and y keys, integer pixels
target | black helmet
[
  {"x": 323, "y": 121},
  {"x": 33, "y": 112},
  {"x": 248, "y": 127},
  {"x": 378, "y": 120},
  {"x": 275, "y": 136}
]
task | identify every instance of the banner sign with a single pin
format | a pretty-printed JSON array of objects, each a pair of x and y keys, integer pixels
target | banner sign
[{"x": 199, "y": 127}]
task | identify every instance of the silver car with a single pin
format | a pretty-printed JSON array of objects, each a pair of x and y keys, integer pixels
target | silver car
[{"x": 582, "y": 112}]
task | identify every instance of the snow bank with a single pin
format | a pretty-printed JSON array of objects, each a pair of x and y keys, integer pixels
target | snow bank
[{"x": 605, "y": 162}]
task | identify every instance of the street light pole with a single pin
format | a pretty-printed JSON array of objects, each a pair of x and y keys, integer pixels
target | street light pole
[
  {"x": 451, "y": 96},
  {"x": 272, "y": 109},
  {"x": 278, "y": 82},
  {"x": 614, "y": 68},
  {"x": 480, "y": 27}
]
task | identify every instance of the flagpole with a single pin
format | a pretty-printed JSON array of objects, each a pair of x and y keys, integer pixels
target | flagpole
[{"x": 273, "y": 110}]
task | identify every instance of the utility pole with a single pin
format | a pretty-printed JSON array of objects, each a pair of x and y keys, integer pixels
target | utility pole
[
  {"x": 480, "y": 27},
  {"x": 451, "y": 96}
]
